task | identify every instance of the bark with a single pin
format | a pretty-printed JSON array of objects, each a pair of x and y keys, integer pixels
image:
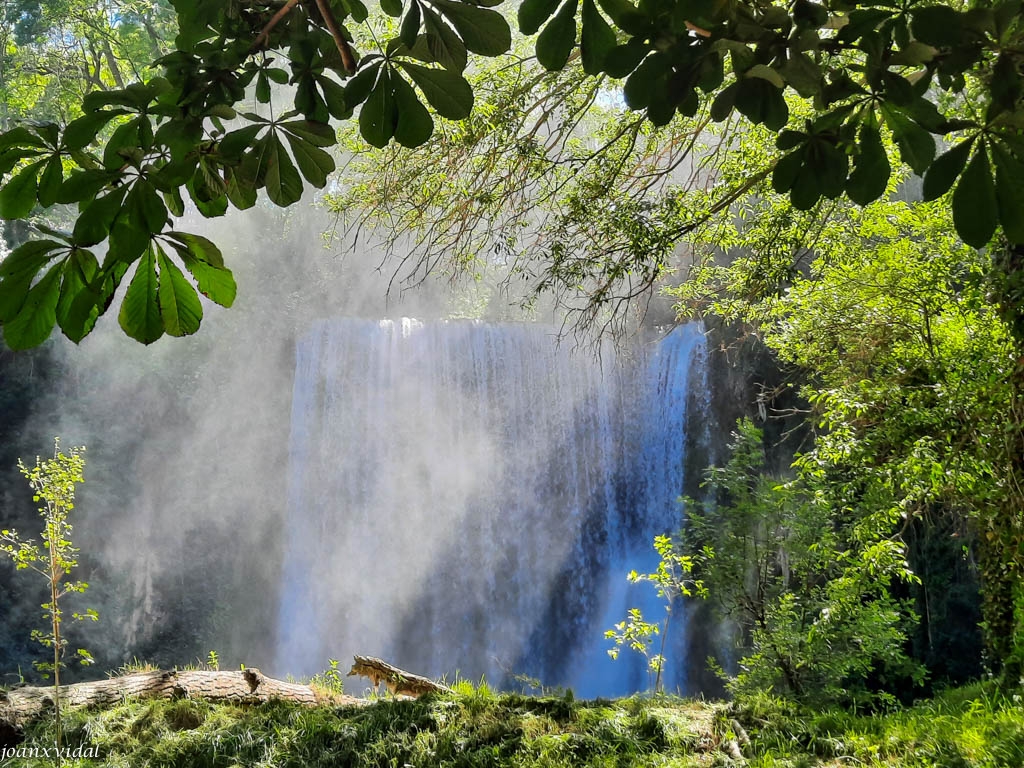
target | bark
[{"x": 22, "y": 705}]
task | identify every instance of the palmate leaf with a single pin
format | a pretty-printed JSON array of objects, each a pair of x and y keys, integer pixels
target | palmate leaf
[
  {"x": 202, "y": 259},
  {"x": 414, "y": 122},
  {"x": 974, "y": 202},
  {"x": 444, "y": 44},
  {"x": 180, "y": 308},
  {"x": 447, "y": 92},
  {"x": 1009, "y": 193},
  {"x": 533, "y": 13},
  {"x": 596, "y": 39},
  {"x": 313, "y": 162},
  {"x": 943, "y": 172},
  {"x": 18, "y": 196},
  {"x": 482, "y": 30},
  {"x": 37, "y": 316},
  {"x": 280, "y": 178},
  {"x": 378, "y": 117},
  {"x": 140, "y": 310},
  {"x": 78, "y": 307},
  {"x": 871, "y": 169},
  {"x": 557, "y": 40}
]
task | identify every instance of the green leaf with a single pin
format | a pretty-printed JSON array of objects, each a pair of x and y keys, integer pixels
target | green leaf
[
  {"x": 262, "y": 91},
  {"x": 533, "y": 13},
  {"x": 410, "y": 25},
  {"x": 82, "y": 131},
  {"x": 27, "y": 259},
  {"x": 483, "y": 31},
  {"x": 447, "y": 92},
  {"x": 19, "y": 137},
  {"x": 317, "y": 134},
  {"x": 642, "y": 84},
  {"x": 147, "y": 206},
  {"x": 358, "y": 88},
  {"x": 937, "y": 25},
  {"x": 199, "y": 247},
  {"x": 445, "y": 46},
  {"x": 50, "y": 181},
  {"x": 313, "y": 162},
  {"x": 871, "y": 170},
  {"x": 943, "y": 172},
  {"x": 78, "y": 306},
  {"x": 414, "y": 122},
  {"x": 180, "y": 308},
  {"x": 37, "y": 316},
  {"x": 18, "y": 195},
  {"x": 391, "y": 7},
  {"x": 724, "y": 103},
  {"x": 761, "y": 102},
  {"x": 94, "y": 222},
  {"x": 786, "y": 170},
  {"x": 803, "y": 73},
  {"x": 974, "y": 202},
  {"x": 82, "y": 185},
  {"x": 334, "y": 98},
  {"x": 1009, "y": 193},
  {"x": 765, "y": 72},
  {"x": 378, "y": 117},
  {"x": 596, "y": 40},
  {"x": 13, "y": 292},
  {"x": 557, "y": 40},
  {"x": 623, "y": 59},
  {"x": 216, "y": 284},
  {"x": 281, "y": 180},
  {"x": 917, "y": 147},
  {"x": 140, "y": 310},
  {"x": 235, "y": 143}
]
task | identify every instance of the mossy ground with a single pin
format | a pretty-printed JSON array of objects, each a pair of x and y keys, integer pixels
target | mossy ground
[{"x": 974, "y": 727}]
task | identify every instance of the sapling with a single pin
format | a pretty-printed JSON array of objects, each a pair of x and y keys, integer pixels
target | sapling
[
  {"x": 53, "y": 482},
  {"x": 673, "y": 581}
]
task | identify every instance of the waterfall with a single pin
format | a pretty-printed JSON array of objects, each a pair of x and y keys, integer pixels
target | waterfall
[{"x": 468, "y": 498}]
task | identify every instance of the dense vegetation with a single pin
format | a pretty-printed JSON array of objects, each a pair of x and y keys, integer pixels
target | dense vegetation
[
  {"x": 970, "y": 728},
  {"x": 885, "y": 563}
]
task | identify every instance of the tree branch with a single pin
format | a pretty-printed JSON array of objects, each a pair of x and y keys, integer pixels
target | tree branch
[
  {"x": 261, "y": 38},
  {"x": 347, "y": 59}
]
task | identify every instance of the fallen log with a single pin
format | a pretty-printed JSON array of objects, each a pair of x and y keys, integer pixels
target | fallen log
[{"x": 23, "y": 705}]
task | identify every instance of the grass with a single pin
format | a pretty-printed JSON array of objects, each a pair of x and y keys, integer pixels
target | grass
[{"x": 973, "y": 727}]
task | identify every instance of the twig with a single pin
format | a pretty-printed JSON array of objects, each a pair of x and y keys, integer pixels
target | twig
[
  {"x": 261, "y": 38},
  {"x": 347, "y": 59}
]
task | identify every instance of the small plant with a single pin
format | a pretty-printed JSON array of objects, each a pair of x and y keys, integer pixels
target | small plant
[
  {"x": 672, "y": 580},
  {"x": 330, "y": 680},
  {"x": 53, "y": 482},
  {"x": 213, "y": 661}
]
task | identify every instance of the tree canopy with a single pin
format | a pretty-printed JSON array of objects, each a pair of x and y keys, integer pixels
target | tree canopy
[{"x": 942, "y": 79}]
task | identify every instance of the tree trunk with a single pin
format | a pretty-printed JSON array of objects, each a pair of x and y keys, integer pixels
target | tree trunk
[{"x": 23, "y": 705}]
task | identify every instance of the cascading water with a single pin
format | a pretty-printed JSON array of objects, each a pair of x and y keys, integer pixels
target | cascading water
[{"x": 469, "y": 498}]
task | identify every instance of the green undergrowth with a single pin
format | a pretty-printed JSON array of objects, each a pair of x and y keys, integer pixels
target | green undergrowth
[
  {"x": 478, "y": 730},
  {"x": 977, "y": 726},
  {"x": 972, "y": 727}
]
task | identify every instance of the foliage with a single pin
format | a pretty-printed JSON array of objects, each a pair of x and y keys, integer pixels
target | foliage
[
  {"x": 673, "y": 582},
  {"x": 53, "y": 482},
  {"x": 330, "y": 680},
  {"x": 910, "y": 370},
  {"x": 863, "y": 72},
  {"x": 968, "y": 727},
  {"x": 814, "y": 606},
  {"x": 471, "y": 730},
  {"x": 975, "y": 727}
]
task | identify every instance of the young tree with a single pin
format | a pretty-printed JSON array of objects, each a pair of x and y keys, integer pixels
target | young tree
[
  {"x": 53, "y": 482},
  {"x": 911, "y": 71}
]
